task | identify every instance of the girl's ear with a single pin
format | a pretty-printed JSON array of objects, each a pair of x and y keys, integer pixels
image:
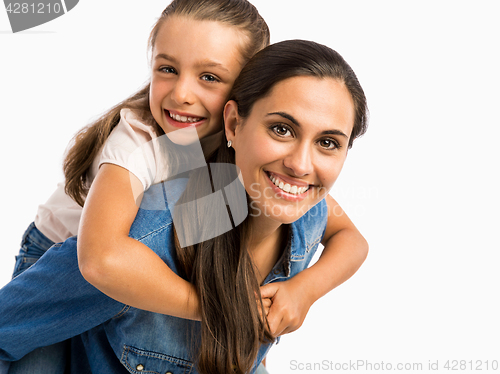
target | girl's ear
[{"x": 231, "y": 119}]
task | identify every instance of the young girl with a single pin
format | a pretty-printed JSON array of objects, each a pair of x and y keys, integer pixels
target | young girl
[{"x": 197, "y": 51}]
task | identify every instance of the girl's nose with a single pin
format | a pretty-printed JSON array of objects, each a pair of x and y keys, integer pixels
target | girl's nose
[
  {"x": 182, "y": 92},
  {"x": 299, "y": 161}
]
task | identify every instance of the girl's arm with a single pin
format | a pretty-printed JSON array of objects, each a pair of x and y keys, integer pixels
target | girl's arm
[
  {"x": 119, "y": 266},
  {"x": 344, "y": 251}
]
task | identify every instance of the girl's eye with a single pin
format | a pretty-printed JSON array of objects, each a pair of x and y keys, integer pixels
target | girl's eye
[
  {"x": 167, "y": 69},
  {"x": 281, "y": 130},
  {"x": 209, "y": 78},
  {"x": 329, "y": 144}
]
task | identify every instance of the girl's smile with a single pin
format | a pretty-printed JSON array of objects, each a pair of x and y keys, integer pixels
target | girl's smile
[{"x": 182, "y": 119}]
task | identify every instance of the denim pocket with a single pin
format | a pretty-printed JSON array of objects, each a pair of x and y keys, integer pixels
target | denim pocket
[
  {"x": 23, "y": 262},
  {"x": 142, "y": 361},
  {"x": 33, "y": 246}
]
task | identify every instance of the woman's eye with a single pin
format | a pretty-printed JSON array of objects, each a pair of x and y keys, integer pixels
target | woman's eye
[
  {"x": 209, "y": 78},
  {"x": 328, "y": 144},
  {"x": 282, "y": 130}
]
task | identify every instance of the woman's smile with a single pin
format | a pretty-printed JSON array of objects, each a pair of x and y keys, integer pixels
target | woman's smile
[{"x": 287, "y": 189}]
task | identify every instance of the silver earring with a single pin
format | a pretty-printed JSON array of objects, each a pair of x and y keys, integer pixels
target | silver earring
[{"x": 229, "y": 143}]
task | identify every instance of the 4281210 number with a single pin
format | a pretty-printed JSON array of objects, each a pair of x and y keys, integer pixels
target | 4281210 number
[
  {"x": 34, "y": 8},
  {"x": 471, "y": 365}
]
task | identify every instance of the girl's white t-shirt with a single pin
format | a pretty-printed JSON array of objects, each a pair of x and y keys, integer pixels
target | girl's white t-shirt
[{"x": 130, "y": 145}]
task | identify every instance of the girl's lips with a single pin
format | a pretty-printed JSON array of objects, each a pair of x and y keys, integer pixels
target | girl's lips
[
  {"x": 285, "y": 195},
  {"x": 185, "y": 121}
]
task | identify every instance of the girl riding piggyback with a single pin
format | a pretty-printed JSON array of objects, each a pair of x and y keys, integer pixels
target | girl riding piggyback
[{"x": 197, "y": 51}]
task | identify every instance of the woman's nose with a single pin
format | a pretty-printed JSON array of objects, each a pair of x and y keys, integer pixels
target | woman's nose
[
  {"x": 299, "y": 161},
  {"x": 182, "y": 92}
]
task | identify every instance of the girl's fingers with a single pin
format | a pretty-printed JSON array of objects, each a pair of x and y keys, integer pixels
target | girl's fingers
[
  {"x": 269, "y": 290},
  {"x": 266, "y": 305}
]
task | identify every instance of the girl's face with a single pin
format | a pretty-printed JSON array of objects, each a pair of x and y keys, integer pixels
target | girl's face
[
  {"x": 194, "y": 65},
  {"x": 292, "y": 146}
]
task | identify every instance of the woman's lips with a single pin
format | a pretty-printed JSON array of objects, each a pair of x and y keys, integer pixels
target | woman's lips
[{"x": 296, "y": 191}]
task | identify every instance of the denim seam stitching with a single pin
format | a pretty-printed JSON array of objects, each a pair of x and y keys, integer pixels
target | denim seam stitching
[
  {"x": 124, "y": 310},
  {"x": 152, "y": 232},
  {"x": 313, "y": 244},
  {"x": 156, "y": 355}
]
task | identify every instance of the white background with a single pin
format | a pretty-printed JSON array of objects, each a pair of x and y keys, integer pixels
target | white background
[{"x": 421, "y": 185}]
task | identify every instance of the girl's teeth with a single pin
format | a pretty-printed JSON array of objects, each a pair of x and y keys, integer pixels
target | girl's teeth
[
  {"x": 287, "y": 187},
  {"x": 184, "y": 119}
]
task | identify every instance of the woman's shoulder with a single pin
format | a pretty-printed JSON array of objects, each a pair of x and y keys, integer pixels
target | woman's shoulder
[
  {"x": 308, "y": 231},
  {"x": 314, "y": 217}
]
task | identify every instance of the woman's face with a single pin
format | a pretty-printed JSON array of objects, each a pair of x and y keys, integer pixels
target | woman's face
[{"x": 292, "y": 146}]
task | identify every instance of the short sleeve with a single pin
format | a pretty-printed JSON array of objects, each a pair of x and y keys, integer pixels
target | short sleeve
[{"x": 130, "y": 146}]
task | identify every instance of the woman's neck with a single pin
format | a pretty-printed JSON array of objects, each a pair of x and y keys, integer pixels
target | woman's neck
[{"x": 264, "y": 245}]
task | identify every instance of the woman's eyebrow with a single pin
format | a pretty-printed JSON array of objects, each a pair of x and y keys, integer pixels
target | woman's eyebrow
[
  {"x": 296, "y": 123},
  {"x": 285, "y": 115},
  {"x": 334, "y": 132}
]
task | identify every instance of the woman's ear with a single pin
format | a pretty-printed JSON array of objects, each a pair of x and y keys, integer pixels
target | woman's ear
[{"x": 231, "y": 119}]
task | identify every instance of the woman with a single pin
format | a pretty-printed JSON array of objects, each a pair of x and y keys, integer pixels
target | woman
[{"x": 294, "y": 112}]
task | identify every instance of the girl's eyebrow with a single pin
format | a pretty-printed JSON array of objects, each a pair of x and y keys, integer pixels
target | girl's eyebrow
[
  {"x": 296, "y": 123},
  {"x": 165, "y": 57},
  {"x": 206, "y": 63}
]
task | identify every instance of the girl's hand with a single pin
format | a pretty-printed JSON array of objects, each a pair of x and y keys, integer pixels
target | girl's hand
[
  {"x": 266, "y": 305},
  {"x": 290, "y": 304}
]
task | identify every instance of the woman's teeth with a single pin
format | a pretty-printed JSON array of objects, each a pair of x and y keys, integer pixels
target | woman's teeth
[
  {"x": 294, "y": 190},
  {"x": 184, "y": 119}
]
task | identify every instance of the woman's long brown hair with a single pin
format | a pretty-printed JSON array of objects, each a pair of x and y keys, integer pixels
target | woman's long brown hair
[
  {"x": 88, "y": 142},
  {"x": 221, "y": 268}
]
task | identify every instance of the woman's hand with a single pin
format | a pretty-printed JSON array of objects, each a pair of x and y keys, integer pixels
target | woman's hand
[{"x": 290, "y": 302}]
